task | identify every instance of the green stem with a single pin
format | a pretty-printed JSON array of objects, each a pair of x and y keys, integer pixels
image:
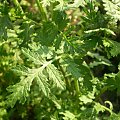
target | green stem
[
  {"x": 85, "y": 64},
  {"x": 18, "y": 5},
  {"x": 77, "y": 86},
  {"x": 64, "y": 75},
  {"x": 41, "y": 10},
  {"x": 51, "y": 10}
]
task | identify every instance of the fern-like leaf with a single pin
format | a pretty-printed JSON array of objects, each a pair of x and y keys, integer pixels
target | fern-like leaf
[
  {"x": 42, "y": 82},
  {"x": 20, "y": 91},
  {"x": 33, "y": 56},
  {"x": 71, "y": 68},
  {"x": 55, "y": 76},
  {"x": 112, "y": 9},
  {"x": 114, "y": 47}
]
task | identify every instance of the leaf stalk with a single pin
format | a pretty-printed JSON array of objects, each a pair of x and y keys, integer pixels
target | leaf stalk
[{"x": 41, "y": 10}]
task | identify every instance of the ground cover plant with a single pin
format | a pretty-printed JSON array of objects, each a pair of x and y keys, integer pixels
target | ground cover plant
[{"x": 59, "y": 59}]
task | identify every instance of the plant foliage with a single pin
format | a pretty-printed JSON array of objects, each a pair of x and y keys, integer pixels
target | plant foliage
[{"x": 59, "y": 59}]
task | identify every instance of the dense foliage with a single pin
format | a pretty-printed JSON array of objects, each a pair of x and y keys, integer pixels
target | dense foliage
[{"x": 59, "y": 59}]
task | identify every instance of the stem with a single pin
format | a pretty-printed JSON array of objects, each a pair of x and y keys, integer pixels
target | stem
[
  {"x": 51, "y": 10},
  {"x": 77, "y": 86},
  {"x": 66, "y": 79},
  {"x": 85, "y": 64},
  {"x": 18, "y": 5},
  {"x": 41, "y": 10}
]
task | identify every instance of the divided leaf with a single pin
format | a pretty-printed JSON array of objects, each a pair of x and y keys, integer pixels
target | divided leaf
[
  {"x": 72, "y": 68},
  {"x": 20, "y": 91},
  {"x": 33, "y": 56},
  {"x": 55, "y": 76},
  {"x": 42, "y": 82},
  {"x": 113, "y": 9},
  {"x": 47, "y": 33},
  {"x": 114, "y": 47}
]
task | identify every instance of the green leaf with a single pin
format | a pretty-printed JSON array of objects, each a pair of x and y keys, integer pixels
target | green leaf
[
  {"x": 77, "y": 3},
  {"x": 68, "y": 115},
  {"x": 113, "y": 45},
  {"x": 26, "y": 33},
  {"x": 107, "y": 31},
  {"x": 60, "y": 5},
  {"x": 60, "y": 19},
  {"x": 42, "y": 82},
  {"x": 5, "y": 24},
  {"x": 33, "y": 56},
  {"x": 43, "y": 51},
  {"x": 72, "y": 68},
  {"x": 46, "y": 2},
  {"x": 106, "y": 43},
  {"x": 55, "y": 76},
  {"x": 85, "y": 99},
  {"x": 115, "y": 50},
  {"x": 114, "y": 116},
  {"x": 20, "y": 91},
  {"x": 99, "y": 108},
  {"x": 47, "y": 33},
  {"x": 112, "y": 9},
  {"x": 100, "y": 60},
  {"x": 117, "y": 82},
  {"x": 95, "y": 63},
  {"x": 21, "y": 70}
]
